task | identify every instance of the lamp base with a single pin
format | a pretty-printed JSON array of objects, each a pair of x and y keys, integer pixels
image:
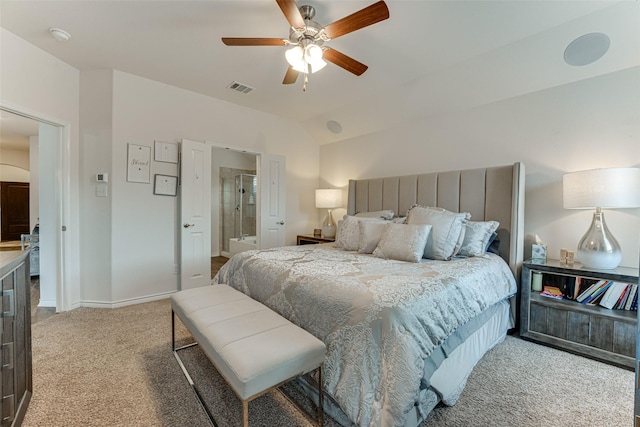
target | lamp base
[
  {"x": 329, "y": 226},
  {"x": 598, "y": 248}
]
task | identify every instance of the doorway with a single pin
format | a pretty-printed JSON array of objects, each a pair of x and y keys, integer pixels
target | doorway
[
  {"x": 49, "y": 177},
  {"x": 234, "y": 196},
  {"x": 14, "y": 209}
]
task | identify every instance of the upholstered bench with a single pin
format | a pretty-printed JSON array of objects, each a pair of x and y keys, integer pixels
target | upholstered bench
[{"x": 253, "y": 348}]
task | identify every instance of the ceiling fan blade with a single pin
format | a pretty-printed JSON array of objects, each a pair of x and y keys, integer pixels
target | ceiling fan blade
[
  {"x": 344, "y": 61},
  {"x": 290, "y": 77},
  {"x": 292, "y": 13},
  {"x": 363, "y": 18},
  {"x": 250, "y": 41}
]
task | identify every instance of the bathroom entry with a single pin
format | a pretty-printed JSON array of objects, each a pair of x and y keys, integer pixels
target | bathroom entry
[
  {"x": 238, "y": 210},
  {"x": 266, "y": 218}
]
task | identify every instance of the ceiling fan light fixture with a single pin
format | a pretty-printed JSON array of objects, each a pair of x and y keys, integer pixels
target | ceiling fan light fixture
[
  {"x": 313, "y": 52},
  {"x": 317, "y": 65},
  {"x": 294, "y": 56}
]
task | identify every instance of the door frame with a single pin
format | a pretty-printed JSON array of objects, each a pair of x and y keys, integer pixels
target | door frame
[{"x": 63, "y": 190}]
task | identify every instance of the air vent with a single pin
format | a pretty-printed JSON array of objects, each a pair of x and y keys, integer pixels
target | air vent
[{"x": 240, "y": 87}]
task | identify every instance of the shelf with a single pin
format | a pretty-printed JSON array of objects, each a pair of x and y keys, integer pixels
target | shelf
[
  {"x": 608, "y": 335},
  {"x": 578, "y": 307}
]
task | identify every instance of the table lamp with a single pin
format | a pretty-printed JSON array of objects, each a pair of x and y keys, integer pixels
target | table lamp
[
  {"x": 601, "y": 188},
  {"x": 328, "y": 199}
]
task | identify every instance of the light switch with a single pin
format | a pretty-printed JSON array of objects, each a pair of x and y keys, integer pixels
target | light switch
[{"x": 101, "y": 189}]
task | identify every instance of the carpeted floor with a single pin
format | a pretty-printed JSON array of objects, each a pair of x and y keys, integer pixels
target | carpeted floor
[{"x": 98, "y": 367}]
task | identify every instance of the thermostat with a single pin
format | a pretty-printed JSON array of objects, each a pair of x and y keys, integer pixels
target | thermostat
[{"x": 102, "y": 177}]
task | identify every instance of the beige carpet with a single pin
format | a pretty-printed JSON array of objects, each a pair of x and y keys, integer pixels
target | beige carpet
[{"x": 98, "y": 367}]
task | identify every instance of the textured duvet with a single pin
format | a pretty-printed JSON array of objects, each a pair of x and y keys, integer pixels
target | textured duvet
[{"x": 379, "y": 318}]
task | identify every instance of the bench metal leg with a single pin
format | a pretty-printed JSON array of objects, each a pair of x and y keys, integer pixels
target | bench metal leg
[{"x": 245, "y": 403}]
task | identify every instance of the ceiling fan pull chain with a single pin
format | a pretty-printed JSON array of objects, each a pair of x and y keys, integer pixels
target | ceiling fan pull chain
[{"x": 306, "y": 80}]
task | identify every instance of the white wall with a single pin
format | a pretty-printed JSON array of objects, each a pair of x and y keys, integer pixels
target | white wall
[
  {"x": 143, "y": 226},
  {"x": 96, "y": 118},
  {"x": 593, "y": 123}
]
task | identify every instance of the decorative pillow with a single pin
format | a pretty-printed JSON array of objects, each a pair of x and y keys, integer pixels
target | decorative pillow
[
  {"x": 445, "y": 233},
  {"x": 403, "y": 242},
  {"x": 477, "y": 236},
  {"x": 370, "y": 234},
  {"x": 386, "y": 214},
  {"x": 399, "y": 220},
  {"x": 348, "y": 235}
]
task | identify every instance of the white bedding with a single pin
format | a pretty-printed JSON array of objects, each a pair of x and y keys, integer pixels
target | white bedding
[{"x": 381, "y": 319}]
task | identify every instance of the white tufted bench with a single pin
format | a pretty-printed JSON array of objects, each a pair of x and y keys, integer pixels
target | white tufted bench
[{"x": 253, "y": 348}]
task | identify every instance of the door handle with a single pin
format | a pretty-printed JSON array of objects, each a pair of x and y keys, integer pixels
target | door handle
[
  {"x": 185, "y": 225},
  {"x": 280, "y": 222}
]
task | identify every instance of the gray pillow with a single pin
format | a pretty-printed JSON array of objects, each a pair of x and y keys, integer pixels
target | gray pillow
[
  {"x": 445, "y": 237},
  {"x": 477, "y": 236},
  {"x": 403, "y": 242},
  {"x": 370, "y": 234},
  {"x": 348, "y": 234}
]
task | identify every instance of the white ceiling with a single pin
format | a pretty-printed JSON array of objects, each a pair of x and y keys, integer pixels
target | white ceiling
[{"x": 429, "y": 57}]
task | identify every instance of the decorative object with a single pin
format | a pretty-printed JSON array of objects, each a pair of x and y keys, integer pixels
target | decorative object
[
  {"x": 317, "y": 232},
  {"x": 601, "y": 188},
  {"x": 328, "y": 199},
  {"x": 138, "y": 162},
  {"x": 539, "y": 252},
  {"x": 166, "y": 152},
  {"x": 536, "y": 281},
  {"x": 165, "y": 185}
]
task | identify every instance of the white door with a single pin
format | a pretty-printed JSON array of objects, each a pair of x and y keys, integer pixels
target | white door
[
  {"x": 272, "y": 200},
  {"x": 195, "y": 214}
]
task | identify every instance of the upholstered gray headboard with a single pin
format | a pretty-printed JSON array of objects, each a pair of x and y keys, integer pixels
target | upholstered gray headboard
[{"x": 494, "y": 193}]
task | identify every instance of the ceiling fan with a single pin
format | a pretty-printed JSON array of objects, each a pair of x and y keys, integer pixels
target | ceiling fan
[{"x": 307, "y": 53}]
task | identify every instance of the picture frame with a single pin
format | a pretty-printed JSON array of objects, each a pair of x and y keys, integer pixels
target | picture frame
[
  {"x": 166, "y": 152},
  {"x": 138, "y": 163},
  {"x": 165, "y": 185}
]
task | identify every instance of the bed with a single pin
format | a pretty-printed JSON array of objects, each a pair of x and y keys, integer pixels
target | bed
[{"x": 401, "y": 336}]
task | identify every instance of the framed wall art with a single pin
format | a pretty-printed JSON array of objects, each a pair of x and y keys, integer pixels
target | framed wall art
[{"x": 138, "y": 163}]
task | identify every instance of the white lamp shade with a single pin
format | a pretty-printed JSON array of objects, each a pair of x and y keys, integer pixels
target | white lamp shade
[
  {"x": 602, "y": 188},
  {"x": 328, "y": 198}
]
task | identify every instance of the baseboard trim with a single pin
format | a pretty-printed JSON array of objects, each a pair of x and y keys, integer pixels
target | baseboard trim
[{"x": 124, "y": 303}]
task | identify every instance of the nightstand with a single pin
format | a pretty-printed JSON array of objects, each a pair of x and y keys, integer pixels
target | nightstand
[
  {"x": 608, "y": 335},
  {"x": 310, "y": 239}
]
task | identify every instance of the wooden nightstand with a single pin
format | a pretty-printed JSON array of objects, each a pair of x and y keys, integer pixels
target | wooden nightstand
[
  {"x": 590, "y": 330},
  {"x": 310, "y": 239}
]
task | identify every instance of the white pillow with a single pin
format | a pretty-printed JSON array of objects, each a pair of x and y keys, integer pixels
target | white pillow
[
  {"x": 386, "y": 214},
  {"x": 348, "y": 234},
  {"x": 370, "y": 234},
  {"x": 476, "y": 237},
  {"x": 403, "y": 242},
  {"x": 445, "y": 237}
]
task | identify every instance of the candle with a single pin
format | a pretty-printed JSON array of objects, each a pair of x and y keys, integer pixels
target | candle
[{"x": 536, "y": 281}]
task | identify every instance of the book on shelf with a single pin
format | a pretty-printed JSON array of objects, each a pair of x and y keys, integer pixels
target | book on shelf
[
  {"x": 590, "y": 290},
  {"x": 633, "y": 293},
  {"x": 552, "y": 292},
  {"x": 572, "y": 287},
  {"x": 598, "y": 293},
  {"x": 623, "y": 298},
  {"x": 613, "y": 295}
]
